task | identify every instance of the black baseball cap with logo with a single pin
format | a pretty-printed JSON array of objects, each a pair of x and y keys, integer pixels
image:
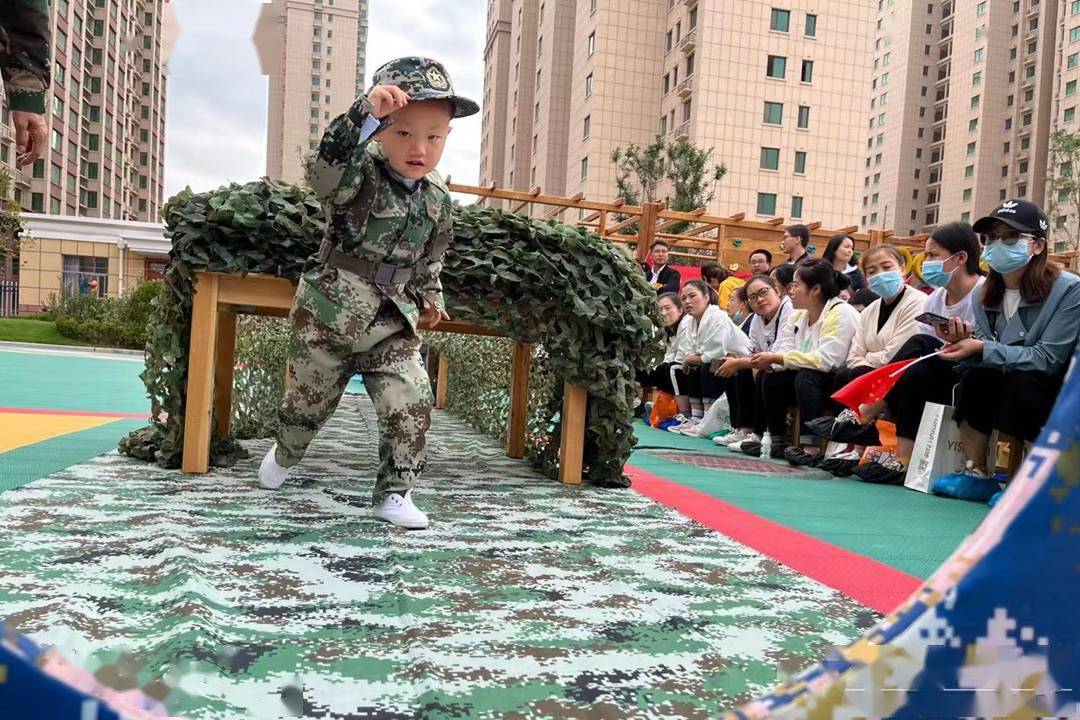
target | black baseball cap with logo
[{"x": 1019, "y": 215}]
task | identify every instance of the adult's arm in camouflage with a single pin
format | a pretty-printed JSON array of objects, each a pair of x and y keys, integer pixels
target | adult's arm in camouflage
[{"x": 25, "y": 67}]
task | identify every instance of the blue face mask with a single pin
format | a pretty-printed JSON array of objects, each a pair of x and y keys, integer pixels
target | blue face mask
[
  {"x": 887, "y": 284},
  {"x": 1006, "y": 258},
  {"x": 933, "y": 272}
]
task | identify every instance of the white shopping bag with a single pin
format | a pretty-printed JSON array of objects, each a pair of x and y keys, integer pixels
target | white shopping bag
[
  {"x": 717, "y": 418},
  {"x": 938, "y": 449}
]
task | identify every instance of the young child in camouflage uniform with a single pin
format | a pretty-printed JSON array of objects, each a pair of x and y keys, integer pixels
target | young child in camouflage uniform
[{"x": 375, "y": 277}]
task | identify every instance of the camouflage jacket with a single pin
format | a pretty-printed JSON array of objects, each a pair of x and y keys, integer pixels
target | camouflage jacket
[
  {"x": 24, "y": 53},
  {"x": 393, "y": 225}
]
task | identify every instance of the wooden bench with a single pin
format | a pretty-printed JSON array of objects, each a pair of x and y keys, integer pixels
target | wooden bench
[{"x": 220, "y": 297}]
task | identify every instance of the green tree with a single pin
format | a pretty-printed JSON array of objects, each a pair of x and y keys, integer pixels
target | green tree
[
  {"x": 690, "y": 170},
  {"x": 10, "y": 218},
  {"x": 1064, "y": 195}
]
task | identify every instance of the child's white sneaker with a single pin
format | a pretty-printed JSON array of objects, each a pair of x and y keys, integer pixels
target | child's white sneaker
[
  {"x": 398, "y": 509},
  {"x": 272, "y": 475}
]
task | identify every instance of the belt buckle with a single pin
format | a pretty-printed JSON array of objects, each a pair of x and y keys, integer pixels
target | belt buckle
[{"x": 384, "y": 274}]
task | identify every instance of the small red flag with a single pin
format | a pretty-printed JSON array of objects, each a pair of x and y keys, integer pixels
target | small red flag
[{"x": 873, "y": 386}]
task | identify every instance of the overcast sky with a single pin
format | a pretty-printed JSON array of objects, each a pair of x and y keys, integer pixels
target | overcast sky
[{"x": 216, "y": 108}]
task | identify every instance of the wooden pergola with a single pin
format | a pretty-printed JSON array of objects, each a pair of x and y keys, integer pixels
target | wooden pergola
[{"x": 727, "y": 240}]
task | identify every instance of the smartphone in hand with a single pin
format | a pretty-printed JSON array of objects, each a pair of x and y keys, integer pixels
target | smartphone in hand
[{"x": 932, "y": 319}]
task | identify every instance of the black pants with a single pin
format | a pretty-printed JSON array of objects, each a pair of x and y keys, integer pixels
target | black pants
[
  {"x": 808, "y": 389},
  {"x": 659, "y": 377},
  {"x": 698, "y": 383},
  {"x": 931, "y": 380},
  {"x": 1017, "y": 402},
  {"x": 746, "y": 399}
]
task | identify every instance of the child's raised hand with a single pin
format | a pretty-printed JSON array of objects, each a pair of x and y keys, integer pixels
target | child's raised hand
[{"x": 385, "y": 99}]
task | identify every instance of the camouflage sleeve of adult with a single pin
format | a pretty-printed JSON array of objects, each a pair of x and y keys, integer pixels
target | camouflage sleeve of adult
[
  {"x": 425, "y": 279},
  {"x": 336, "y": 170},
  {"x": 24, "y": 53}
]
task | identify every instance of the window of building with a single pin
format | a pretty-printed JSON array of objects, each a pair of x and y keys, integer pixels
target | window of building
[
  {"x": 810, "y": 31},
  {"x": 766, "y": 203},
  {"x": 586, "y": 127},
  {"x": 780, "y": 20},
  {"x": 79, "y": 270},
  {"x": 1074, "y": 34},
  {"x": 689, "y": 64},
  {"x": 686, "y": 111},
  {"x": 971, "y": 149},
  {"x": 980, "y": 9},
  {"x": 976, "y": 78},
  {"x": 774, "y": 113},
  {"x": 770, "y": 158},
  {"x": 807, "y": 71},
  {"x": 804, "y": 117},
  {"x": 588, "y": 85},
  {"x": 975, "y": 101},
  {"x": 1070, "y": 87},
  {"x": 796, "y": 206},
  {"x": 979, "y": 55},
  {"x": 776, "y": 67},
  {"x": 1070, "y": 114},
  {"x": 800, "y": 162},
  {"x": 584, "y": 168},
  {"x": 591, "y": 44}
]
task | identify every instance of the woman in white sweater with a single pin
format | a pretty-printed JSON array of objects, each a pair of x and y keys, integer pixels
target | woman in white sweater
[
  {"x": 707, "y": 334},
  {"x": 744, "y": 386},
  {"x": 814, "y": 343}
]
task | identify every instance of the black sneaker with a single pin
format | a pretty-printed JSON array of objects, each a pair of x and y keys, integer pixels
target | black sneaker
[
  {"x": 822, "y": 426},
  {"x": 879, "y": 474},
  {"x": 800, "y": 458},
  {"x": 778, "y": 450},
  {"x": 841, "y": 465},
  {"x": 751, "y": 448},
  {"x": 865, "y": 435}
]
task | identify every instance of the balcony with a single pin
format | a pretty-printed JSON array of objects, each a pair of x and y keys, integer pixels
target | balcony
[
  {"x": 689, "y": 41},
  {"x": 685, "y": 87},
  {"x": 5, "y": 132},
  {"x": 21, "y": 179},
  {"x": 683, "y": 131}
]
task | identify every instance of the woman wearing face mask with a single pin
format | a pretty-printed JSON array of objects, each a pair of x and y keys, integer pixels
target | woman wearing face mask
[
  {"x": 952, "y": 267},
  {"x": 839, "y": 252},
  {"x": 709, "y": 336},
  {"x": 814, "y": 342},
  {"x": 1026, "y": 321},
  {"x": 884, "y": 326},
  {"x": 660, "y": 376},
  {"x": 745, "y": 386}
]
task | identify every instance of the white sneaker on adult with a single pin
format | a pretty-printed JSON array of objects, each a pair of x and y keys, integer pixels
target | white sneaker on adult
[
  {"x": 272, "y": 475},
  {"x": 690, "y": 429},
  {"x": 735, "y": 438},
  {"x": 398, "y": 509},
  {"x": 680, "y": 421},
  {"x": 738, "y": 446}
]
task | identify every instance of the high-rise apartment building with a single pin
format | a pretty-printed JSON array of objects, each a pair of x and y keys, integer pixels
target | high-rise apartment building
[
  {"x": 106, "y": 113},
  {"x": 964, "y": 95},
  {"x": 778, "y": 90},
  {"x": 314, "y": 54}
]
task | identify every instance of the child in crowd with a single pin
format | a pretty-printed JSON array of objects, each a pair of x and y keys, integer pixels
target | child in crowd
[{"x": 720, "y": 280}]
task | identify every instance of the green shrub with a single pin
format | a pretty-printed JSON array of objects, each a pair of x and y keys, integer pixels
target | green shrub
[
  {"x": 103, "y": 333},
  {"x": 138, "y": 304}
]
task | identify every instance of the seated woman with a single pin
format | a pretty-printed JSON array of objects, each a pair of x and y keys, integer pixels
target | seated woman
[
  {"x": 660, "y": 376},
  {"x": 745, "y": 387},
  {"x": 884, "y": 326},
  {"x": 784, "y": 275},
  {"x": 1027, "y": 317},
  {"x": 838, "y": 253},
  {"x": 709, "y": 335},
  {"x": 720, "y": 280},
  {"x": 814, "y": 343},
  {"x": 952, "y": 267},
  {"x": 739, "y": 310}
]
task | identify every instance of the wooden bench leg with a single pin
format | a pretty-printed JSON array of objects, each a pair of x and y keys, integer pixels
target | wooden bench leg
[
  {"x": 519, "y": 400},
  {"x": 1016, "y": 453},
  {"x": 572, "y": 446},
  {"x": 224, "y": 363},
  {"x": 796, "y": 427},
  {"x": 440, "y": 383},
  {"x": 200, "y": 383}
]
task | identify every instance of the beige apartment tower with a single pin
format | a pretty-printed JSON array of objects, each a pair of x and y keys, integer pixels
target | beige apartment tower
[
  {"x": 106, "y": 113},
  {"x": 778, "y": 90},
  {"x": 964, "y": 95},
  {"x": 314, "y": 54}
]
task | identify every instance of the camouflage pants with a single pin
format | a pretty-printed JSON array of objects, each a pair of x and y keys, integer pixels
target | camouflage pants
[{"x": 328, "y": 347}]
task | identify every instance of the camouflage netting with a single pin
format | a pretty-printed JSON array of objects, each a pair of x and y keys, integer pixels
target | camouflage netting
[{"x": 564, "y": 289}]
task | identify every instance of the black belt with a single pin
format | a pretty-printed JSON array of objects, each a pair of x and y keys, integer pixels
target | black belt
[{"x": 378, "y": 273}]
